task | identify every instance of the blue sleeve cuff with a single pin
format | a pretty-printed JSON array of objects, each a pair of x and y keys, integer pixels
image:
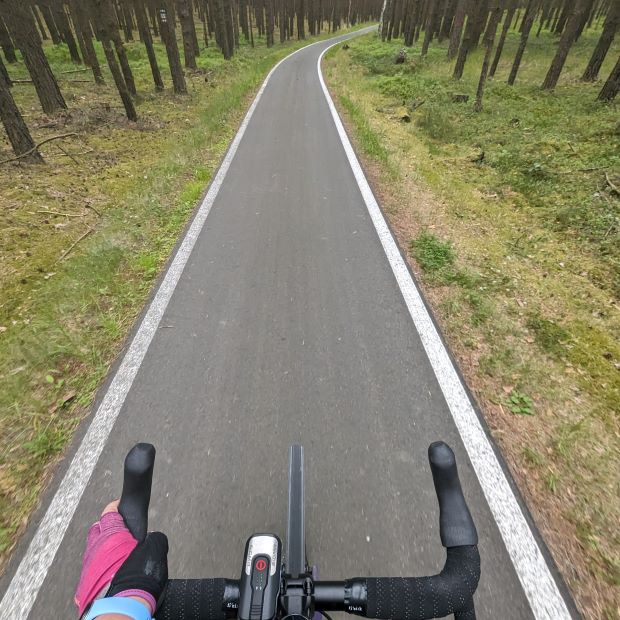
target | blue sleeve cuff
[{"x": 118, "y": 605}]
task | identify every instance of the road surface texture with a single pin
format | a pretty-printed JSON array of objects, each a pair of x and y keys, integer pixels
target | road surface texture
[{"x": 287, "y": 325}]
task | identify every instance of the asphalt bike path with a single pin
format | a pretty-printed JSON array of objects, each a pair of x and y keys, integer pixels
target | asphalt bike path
[{"x": 286, "y": 325}]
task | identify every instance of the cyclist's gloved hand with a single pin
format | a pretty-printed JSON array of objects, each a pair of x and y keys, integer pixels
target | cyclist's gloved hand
[{"x": 115, "y": 564}]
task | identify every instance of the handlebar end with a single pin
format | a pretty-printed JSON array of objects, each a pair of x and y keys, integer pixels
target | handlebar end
[
  {"x": 456, "y": 525},
  {"x": 136, "y": 496}
]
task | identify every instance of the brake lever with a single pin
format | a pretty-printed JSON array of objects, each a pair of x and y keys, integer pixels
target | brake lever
[{"x": 136, "y": 495}]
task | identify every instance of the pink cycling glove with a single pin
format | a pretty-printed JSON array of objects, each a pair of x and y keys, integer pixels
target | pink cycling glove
[{"x": 108, "y": 546}]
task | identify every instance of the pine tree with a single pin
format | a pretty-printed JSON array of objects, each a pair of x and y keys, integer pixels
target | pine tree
[{"x": 14, "y": 125}]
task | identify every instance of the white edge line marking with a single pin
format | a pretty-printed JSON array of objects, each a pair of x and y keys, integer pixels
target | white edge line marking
[
  {"x": 22, "y": 592},
  {"x": 539, "y": 585}
]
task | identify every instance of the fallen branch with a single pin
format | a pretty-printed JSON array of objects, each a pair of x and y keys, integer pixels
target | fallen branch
[
  {"x": 47, "y": 212},
  {"x": 581, "y": 170},
  {"x": 75, "y": 71},
  {"x": 67, "y": 252},
  {"x": 613, "y": 187},
  {"x": 36, "y": 147},
  {"x": 93, "y": 209},
  {"x": 75, "y": 161}
]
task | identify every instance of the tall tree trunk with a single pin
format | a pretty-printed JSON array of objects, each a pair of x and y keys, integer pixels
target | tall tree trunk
[
  {"x": 301, "y": 10},
  {"x": 46, "y": 11},
  {"x": 228, "y": 20},
  {"x": 544, "y": 12},
  {"x": 566, "y": 42},
  {"x": 107, "y": 30},
  {"x": 64, "y": 27},
  {"x": 121, "y": 85},
  {"x": 127, "y": 22},
  {"x": 20, "y": 23},
  {"x": 448, "y": 17},
  {"x": 124, "y": 62},
  {"x": 469, "y": 38},
  {"x": 243, "y": 19},
  {"x": 512, "y": 7},
  {"x": 187, "y": 27},
  {"x": 612, "y": 85},
  {"x": 480, "y": 23},
  {"x": 563, "y": 16},
  {"x": 145, "y": 34},
  {"x": 457, "y": 28},
  {"x": 528, "y": 21},
  {"x": 489, "y": 40},
  {"x": 433, "y": 16},
  {"x": 387, "y": 14},
  {"x": 165, "y": 25},
  {"x": 6, "y": 43},
  {"x": 39, "y": 21},
  {"x": 234, "y": 11},
  {"x": 82, "y": 25},
  {"x": 612, "y": 23},
  {"x": 250, "y": 27},
  {"x": 270, "y": 25},
  {"x": 4, "y": 74},
  {"x": 14, "y": 125}
]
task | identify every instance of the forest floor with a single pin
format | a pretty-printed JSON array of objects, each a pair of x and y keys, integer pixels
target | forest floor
[
  {"x": 83, "y": 238},
  {"x": 511, "y": 221}
]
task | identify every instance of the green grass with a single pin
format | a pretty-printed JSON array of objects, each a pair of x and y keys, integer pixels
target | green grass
[
  {"x": 432, "y": 254},
  {"x": 553, "y": 148},
  {"x": 63, "y": 322},
  {"x": 510, "y": 218}
]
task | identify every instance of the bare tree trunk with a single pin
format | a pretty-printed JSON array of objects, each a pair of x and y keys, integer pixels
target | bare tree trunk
[
  {"x": 168, "y": 35},
  {"x": 434, "y": 15},
  {"x": 489, "y": 40},
  {"x": 14, "y": 125},
  {"x": 4, "y": 75},
  {"x": 147, "y": 39},
  {"x": 121, "y": 85},
  {"x": 612, "y": 85},
  {"x": 502, "y": 39},
  {"x": 566, "y": 42},
  {"x": 387, "y": 14},
  {"x": 469, "y": 39},
  {"x": 20, "y": 23},
  {"x": 558, "y": 27},
  {"x": 39, "y": 21},
  {"x": 612, "y": 23},
  {"x": 301, "y": 10},
  {"x": 457, "y": 28},
  {"x": 448, "y": 17},
  {"x": 106, "y": 31},
  {"x": 82, "y": 25},
  {"x": 64, "y": 27},
  {"x": 228, "y": 20},
  {"x": 270, "y": 26},
  {"x": 528, "y": 21},
  {"x": 6, "y": 43},
  {"x": 186, "y": 30},
  {"x": 46, "y": 11}
]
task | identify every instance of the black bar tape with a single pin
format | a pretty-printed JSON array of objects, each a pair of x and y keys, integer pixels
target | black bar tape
[
  {"x": 422, "y": 598},
  {"x": 468, "y": 613},
  {"x": 195, "y": 599}
]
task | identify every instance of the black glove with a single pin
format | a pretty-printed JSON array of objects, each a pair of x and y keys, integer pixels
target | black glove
[{"x": 145, "y": 569}]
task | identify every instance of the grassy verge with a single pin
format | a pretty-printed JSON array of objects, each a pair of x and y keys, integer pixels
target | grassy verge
[
  {"x": 82, "y": 239},
  {"x": 513, "y": 226}
]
